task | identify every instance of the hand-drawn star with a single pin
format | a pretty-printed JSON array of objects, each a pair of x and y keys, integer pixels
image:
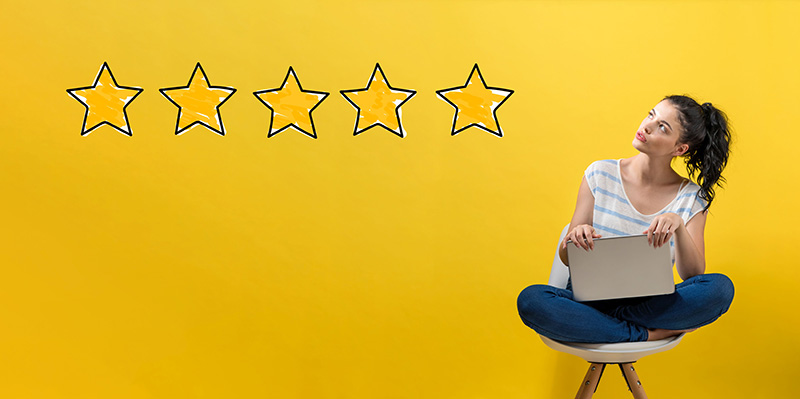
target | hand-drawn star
[
  {"x": 378, "y": 104},
  {"x": 476, "y": 105},
  {"x": 198, "y": 102},
  {"x": 105, "y": 102},
  {"x": 291, "y": 106}
]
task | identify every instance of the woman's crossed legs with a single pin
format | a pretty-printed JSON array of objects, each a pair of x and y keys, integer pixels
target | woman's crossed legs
[{"x": 554, "y": 313}]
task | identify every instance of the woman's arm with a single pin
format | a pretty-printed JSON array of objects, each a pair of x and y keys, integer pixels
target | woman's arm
[
  {"x": 690, "y": 254},
  {"x": 580, "y": 229},
  {"x": 690, "y": 249}
]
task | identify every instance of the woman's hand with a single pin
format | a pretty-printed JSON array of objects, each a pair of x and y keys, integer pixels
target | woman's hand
[
  {"x": 662, "y": 228},
  {"x": 582, "y": 236}
]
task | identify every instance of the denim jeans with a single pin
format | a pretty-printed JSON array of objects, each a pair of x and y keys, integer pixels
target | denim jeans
[{"x": 552, "y": 311}]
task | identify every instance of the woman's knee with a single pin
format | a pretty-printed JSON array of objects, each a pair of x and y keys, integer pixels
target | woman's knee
[
  {"x": 720, "y": 287},
  {"x": 532, "y": 301}
]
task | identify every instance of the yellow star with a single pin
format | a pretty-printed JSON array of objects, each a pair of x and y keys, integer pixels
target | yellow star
[
  {"x": 378, "y": 104},
  {"x": 476, "y": 104},
  {"x": 291, "y": 106},
  {"x": 105, "y": 102},
  {"x": 198, "y": 102}
]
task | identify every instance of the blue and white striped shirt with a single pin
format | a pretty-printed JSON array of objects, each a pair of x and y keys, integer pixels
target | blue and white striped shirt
[{"x": 615, "y": 216}]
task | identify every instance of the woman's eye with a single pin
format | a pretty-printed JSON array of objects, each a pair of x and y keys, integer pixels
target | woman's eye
[{"x": 663, "y": 128}]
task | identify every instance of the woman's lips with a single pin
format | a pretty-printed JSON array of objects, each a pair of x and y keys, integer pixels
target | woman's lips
[{"x": 640, "y": 137}]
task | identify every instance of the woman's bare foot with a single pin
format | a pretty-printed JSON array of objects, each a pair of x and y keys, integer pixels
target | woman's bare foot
[{"x": 656, "y": 334}]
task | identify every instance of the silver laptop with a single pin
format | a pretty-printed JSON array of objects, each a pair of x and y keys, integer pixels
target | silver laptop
[{"x": 620, "y": 267}]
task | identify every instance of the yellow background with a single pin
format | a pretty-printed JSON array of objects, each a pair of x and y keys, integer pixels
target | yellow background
[{"x": 201, "y": 266}]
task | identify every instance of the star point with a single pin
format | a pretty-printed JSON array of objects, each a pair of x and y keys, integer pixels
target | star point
[
  {"x": 105, "y": 102},
  {"x": 291, "y": 106},
  {"x": 198, "y": 102},
  {"x": 475, "y": 103},
  {"x": 378, "y": 104}
]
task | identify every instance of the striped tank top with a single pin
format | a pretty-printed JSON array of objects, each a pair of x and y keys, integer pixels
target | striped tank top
[{"x": 615, "y": 216}]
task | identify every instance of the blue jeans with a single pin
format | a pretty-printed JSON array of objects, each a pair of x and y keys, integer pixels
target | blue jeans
[{"x": 553, "y": 312}]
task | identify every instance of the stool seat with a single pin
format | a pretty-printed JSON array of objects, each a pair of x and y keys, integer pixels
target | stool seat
[{"x": 621, "y": 352}]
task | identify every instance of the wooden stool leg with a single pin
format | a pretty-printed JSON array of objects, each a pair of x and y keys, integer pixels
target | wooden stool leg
[
  {"x": 634, "y": 384},
  {"x": 589, "y": 383}
]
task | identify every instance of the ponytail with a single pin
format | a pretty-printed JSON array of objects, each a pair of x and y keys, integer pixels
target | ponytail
[{"x": 705, "y": 130}]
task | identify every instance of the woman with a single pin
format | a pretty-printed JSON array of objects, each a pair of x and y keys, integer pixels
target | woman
[{"x": 637, "y": 195}]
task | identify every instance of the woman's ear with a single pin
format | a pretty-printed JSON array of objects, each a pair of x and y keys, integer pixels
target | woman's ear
[{"x": 681, "y": 149}]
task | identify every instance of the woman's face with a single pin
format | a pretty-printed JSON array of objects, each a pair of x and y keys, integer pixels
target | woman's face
[{"x": 660, "y": 131}]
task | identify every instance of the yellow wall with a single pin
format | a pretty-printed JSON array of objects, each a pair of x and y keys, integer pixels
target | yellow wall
[{"x": 201, "y": 266}]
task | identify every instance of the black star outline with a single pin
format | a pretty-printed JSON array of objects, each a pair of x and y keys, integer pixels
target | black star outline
[
  {"x": 499, "y": 132},
  {"x": 85, "y": 131},
  {"x": 397, "y": 110},
  {"x": 178, "y": 130},
  {"x": 313, "y": 133}
]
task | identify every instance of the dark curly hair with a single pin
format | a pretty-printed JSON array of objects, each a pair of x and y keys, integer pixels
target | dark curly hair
[{"x": 705, "y": 130}]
